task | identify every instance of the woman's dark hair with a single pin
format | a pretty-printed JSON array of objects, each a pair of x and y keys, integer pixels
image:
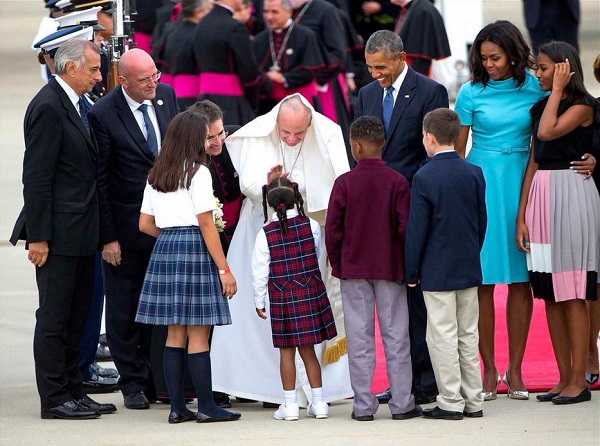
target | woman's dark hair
[
  {"x": 182, "y": 153},
  {"x": 559, "y": 52},
  {"x": 507, "y": 36},
  {"x": 281, "y": 194}
]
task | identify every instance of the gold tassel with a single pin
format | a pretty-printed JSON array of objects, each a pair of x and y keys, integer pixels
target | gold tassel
[{"x": 334, "y": 352}]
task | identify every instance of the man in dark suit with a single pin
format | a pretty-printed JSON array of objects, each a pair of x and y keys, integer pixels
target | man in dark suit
[
  {"x": 129, "y": 123},
  {"x": 401, "y": 97},
  {"x": 61, "y": 224},
  {"x": 548, "y": 20}
]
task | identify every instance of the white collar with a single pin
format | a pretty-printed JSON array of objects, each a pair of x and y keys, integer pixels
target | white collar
[
  {"x": 133, "y": 104},
  {"x": 289, "y": 214},
  {"x": 73, "y": 96},
  {"x": 398, "y": 82}
]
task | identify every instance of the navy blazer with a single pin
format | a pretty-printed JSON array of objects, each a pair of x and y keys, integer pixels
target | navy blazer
[
  {"x": 418, "y": 95},
  {"x": 446, "y": 225},
  {"x": 123, "y": 164},
  {"x": 60, "y": 187}
]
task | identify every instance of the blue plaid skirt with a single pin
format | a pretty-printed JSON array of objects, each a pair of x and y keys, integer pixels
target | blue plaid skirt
[{"x": 182, "y": 285}]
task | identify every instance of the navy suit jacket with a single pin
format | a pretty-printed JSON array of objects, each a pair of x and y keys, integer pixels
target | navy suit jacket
[
  {"x": 534, "y": 10},
  {"x": 123, "y": 164},
  {"x": 418, "y": 95},
  {"x": 60, "y": 187},
  {"x": 446, "y": 225}
]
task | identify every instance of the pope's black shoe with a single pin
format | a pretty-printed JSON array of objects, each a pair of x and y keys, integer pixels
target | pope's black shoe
[
  {"x": 441, "y": 414},
  {"x": 86, "y": 401},
  {"x": 384, "y": 397},
  {"x": 136, "y": 400},
  {"x": 71, "y": 410}
]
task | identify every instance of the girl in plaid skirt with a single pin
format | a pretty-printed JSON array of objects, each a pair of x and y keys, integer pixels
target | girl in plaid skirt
[
  {"x": 188, "y": 279},
  {"x": 285, "y": 265}
]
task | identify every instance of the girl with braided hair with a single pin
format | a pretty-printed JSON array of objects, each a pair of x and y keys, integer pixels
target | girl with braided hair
[{"x": 285, "y": 266}]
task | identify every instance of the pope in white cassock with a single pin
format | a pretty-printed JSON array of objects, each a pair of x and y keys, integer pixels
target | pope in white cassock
[{"x": 294, "y": 140}]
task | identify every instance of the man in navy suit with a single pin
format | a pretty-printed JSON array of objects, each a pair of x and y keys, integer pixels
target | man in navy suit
[
  {"x": 129, "y": 123},
  {"x": 446, "y": 229},
  {"x": 548, "y": 20},
  {"x": 61, "y": 223},
  {"x": 408, "y": 96}
]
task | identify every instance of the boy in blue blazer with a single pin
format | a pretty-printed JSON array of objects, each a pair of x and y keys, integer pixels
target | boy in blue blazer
[{"x": 445, "y": 234}]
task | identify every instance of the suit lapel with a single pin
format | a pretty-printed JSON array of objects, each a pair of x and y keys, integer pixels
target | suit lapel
[
  {"x": 161, "y": 117},
  {"x": 73, "y": 115},
  {"x": 130, "y": 123},
  {"x": 404, "y": 98}
]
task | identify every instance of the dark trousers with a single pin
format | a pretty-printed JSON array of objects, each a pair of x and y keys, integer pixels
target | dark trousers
[
  {"x": 423, "y": 377},
  {"x": 129, "y": 341},
  {"x": 65, "y": 285},
  {"x": 91, "y": 333},
  {"x": 556, "y": 23}
]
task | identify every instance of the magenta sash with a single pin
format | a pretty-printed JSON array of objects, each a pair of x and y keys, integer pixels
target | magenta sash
[
  {"x": 231, "y": 211},
  {"x": 221, "y": 84},
  {"x": 143, "y": 41},
  {"x": 328, "y": 103},
  {"x": 168, "y": 79},
  {"x": 186, "y": 85},
  {"x": 309, "y": 91}
]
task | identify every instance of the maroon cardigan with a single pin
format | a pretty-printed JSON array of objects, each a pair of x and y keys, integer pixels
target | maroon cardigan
[{"x": 366, "y": 223}]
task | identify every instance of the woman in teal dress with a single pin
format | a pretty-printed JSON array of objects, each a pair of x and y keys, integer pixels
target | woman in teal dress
[{"x": 495, "y": 105}]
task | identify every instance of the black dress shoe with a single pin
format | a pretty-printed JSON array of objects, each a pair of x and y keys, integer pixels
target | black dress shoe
[
  {"x": 71, "y": 410},
  {"x": 424, "y": 397},
  {"x": 222, "y": 400},
  {"x": 136, "y": 400},
  {"x": 362, "y": 417},
  {"x": 416, "y": 412},
  {"x": 175, "y": 418},
  {"x": 384, "y": 397},
  {"x": 267, "y": 405},
  {"x": 86, "y": 401},
  {"x": 544, "y": 397},
  {"x": 585, "y": 395},
  {"x": 245, "y": 400},
  {"x": 202, "y": 418},
  {"x": 441, "y": 414},
  {"x": 476, "y": 414}
]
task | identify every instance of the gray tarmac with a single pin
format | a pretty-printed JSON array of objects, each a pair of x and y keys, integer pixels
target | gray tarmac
[{"x": 506, "y": 422}]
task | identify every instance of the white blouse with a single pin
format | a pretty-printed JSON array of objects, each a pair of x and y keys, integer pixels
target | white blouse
[{"x": 181, "y": 208}]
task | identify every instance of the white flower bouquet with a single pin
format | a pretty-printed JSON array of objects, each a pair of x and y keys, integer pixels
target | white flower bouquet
[{"x": 218, "y": 216}]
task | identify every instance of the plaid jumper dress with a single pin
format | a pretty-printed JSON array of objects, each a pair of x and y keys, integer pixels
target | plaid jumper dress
[{"x": 298, "y": 303}]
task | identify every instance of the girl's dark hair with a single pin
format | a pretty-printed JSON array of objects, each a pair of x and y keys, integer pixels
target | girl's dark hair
[
  {"x": 507, "y": 36},
  {"x": 182, "y": 153},
  {"x": 558, "y": 52},
  {"x": 281, "y": 194}
]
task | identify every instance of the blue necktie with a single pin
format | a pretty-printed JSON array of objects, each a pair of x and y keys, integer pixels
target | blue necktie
[
  {"x": 84, "y": 108},
  {"x": 388, "y": 108},
  {"x": 152, "y": 143}
]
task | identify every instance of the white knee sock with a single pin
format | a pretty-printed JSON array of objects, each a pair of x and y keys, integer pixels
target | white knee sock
[
  {"x": 290, "y": 397},
  {"x": 317, "y": 394}
]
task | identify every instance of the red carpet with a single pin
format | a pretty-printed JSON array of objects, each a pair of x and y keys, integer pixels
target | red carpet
[{"x": 539, "y": 367}]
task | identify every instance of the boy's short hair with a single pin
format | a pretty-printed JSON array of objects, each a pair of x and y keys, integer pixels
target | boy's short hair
[
  {"x": 369, "y": 129},
  {"x": 444, "y": 124}
]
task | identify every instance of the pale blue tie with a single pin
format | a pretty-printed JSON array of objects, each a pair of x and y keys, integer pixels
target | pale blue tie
[
  {"x": 151, "y": 138},
  {"x": 388, "y": 108}
]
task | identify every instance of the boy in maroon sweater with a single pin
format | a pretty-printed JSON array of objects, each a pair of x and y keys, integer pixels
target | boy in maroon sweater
[{"x": 365, "y": 235}]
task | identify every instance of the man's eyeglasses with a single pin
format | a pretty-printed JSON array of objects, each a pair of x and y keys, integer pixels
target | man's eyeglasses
[
  {"x": 154, "y": 78},
  {"x": 222, "y": 134}
]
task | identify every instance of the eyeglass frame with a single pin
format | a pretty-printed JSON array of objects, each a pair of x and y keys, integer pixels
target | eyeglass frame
[
  {"x": 154, "y": 78},
  {"x": 222, "y": 134}
]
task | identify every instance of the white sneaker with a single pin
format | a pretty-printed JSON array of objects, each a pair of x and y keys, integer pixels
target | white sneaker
[
  {"x": 318, "y": 410},
  {"x": 287, "y": 413}
]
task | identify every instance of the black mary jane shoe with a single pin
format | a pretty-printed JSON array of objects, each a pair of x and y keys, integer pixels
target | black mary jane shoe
[
  {"x": 545, "y": 397},
  {"x": 585, "y": 395},
  {"x": 203, "y": 418},
  {"x": 175, "y": 418}
]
